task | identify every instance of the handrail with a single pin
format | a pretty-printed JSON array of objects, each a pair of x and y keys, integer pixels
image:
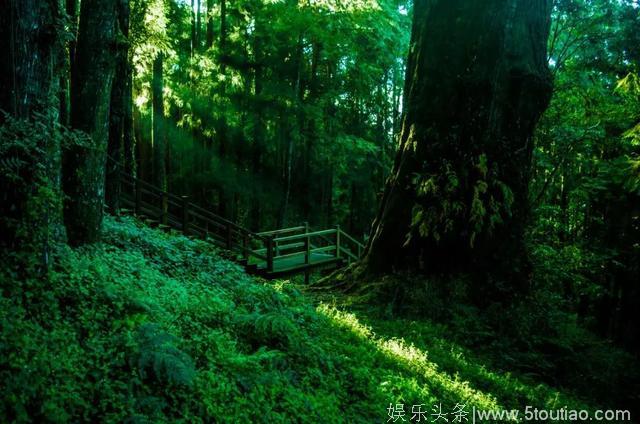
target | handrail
[
  {"x": 282, "y": 231},
  {"x": 299, "y": 236},
  {"x": 352, "y": 239},
  {"x": 203, "y": 212},
  {"x": 349, "y": 253},
  {"x": 150, "y": 199}
]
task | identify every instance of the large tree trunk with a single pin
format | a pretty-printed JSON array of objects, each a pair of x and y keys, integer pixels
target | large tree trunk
[
  {"x": 31, "y": 49},
  {"x": 92, "y": 76},
  {"x": 117, "y": 121},
  {"x": 30, "y": 44},
  {"x": 477, "y": 83}
]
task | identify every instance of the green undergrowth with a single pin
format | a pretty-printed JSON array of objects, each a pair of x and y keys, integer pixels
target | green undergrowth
[{"x": 155, "y": 327}]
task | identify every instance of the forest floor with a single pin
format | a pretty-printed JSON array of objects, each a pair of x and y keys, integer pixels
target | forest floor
[{"x": 156, "y": 327}]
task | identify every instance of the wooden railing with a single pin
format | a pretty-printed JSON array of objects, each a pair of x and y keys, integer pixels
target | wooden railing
[
  {"x": 277, "y": 252},
  {"x": 180, "y": 213},
  {"x": 310, "y": 247}
]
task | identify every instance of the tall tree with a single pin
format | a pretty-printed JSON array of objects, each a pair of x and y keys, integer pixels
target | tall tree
[
  {"x": 159, "y": 137},
  {"x": 120, "y": 104},
  {"x": 210, "y": 27},
  {"x": 222, "y": 130},
  {"x": 31, "y": 49},
  {"x": 456, "y": 199},
  {"x": 198, "y": 39},
  {"x": 71, "y": 8},
  {"x": 30, "y": 40},
  {"x": 91, "y": 81}
]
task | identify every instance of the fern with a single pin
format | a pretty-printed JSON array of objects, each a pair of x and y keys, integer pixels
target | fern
[
  {"x": 271, "y": 329},
  {"x": 160, "y": 360}
]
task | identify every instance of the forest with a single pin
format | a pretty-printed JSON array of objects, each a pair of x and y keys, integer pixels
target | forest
[{"x": 310, "y": 211}]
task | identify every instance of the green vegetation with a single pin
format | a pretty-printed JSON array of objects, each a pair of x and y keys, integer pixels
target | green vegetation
[
  {"x": 155, "y": 327},
  {"x": 469, "y": 169}
]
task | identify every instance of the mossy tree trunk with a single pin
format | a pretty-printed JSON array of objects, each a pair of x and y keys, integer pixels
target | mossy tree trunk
[
  {"x": 30, "y": 39},
  {"x": 91, "y": 82},
  {"x": 456, "y": 200},
  {"x": 31, "y": 49}
]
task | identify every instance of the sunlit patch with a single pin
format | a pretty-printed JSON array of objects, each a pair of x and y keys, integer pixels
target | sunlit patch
[
  {"x": 411, "y": 358},
  {"x": 142, "y": 99}
]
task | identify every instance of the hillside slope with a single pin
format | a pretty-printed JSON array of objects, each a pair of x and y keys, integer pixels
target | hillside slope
[{"x": 155, "y": 327}]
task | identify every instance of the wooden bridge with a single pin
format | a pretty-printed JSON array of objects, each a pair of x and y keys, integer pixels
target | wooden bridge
[{"x": 270, "y": 254}]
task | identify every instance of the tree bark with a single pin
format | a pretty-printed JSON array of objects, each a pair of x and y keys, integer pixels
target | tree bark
[
  {"x": 68, "y": 54},
  {"x": 292, "y": 134},
  {"x": 30, "y": 43},
  {"x": 119, "y": 99},
  {"x": 159, "y": 136},
  {"x": 259, "y": 130},
  {"x": 194, "y": 33},
  {"x": 222, "y": 127},
  {"x": 477, "y": 83},
  {"x": 210, "y": 29},
  {"x": 92, "y": 77},
  {"x": 128, "y": 135},
  {"x": 198, "y": 25},
  {"x": 31, "y": 49}
]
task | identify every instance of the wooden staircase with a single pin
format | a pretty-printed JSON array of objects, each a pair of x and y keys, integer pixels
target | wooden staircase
[{"x": 270, "y": 254}]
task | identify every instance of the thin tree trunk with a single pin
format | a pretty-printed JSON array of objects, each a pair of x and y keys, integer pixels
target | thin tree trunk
[
  {"x": 119, "y": 105},
  {"x": 288, "y": 160},
  {"x": 288, "y": 165},
  {"x": 194, "y": 32},
  {"x": 223, "y": 199},
  {"x": 128, "y": 135},
  {"x": 210, "y": 30},
  {"x": 71, "y": 7},
  {"x": 258, "y": 134},
  {"x": 310, "y": 136},
  {"x": 198, "y": 25},
  {"x": 158, "y": 135}
]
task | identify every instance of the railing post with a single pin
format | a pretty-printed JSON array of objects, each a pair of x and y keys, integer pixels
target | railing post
[
  {"x": 338, "y": 241},
  {"x": 307, "y": 244},
  {"x": 138, "y": 194},
  {"x": 269, "y": 242},
  {"x": 165, "y": 208},
  {"x": 185, "y": 214}
]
